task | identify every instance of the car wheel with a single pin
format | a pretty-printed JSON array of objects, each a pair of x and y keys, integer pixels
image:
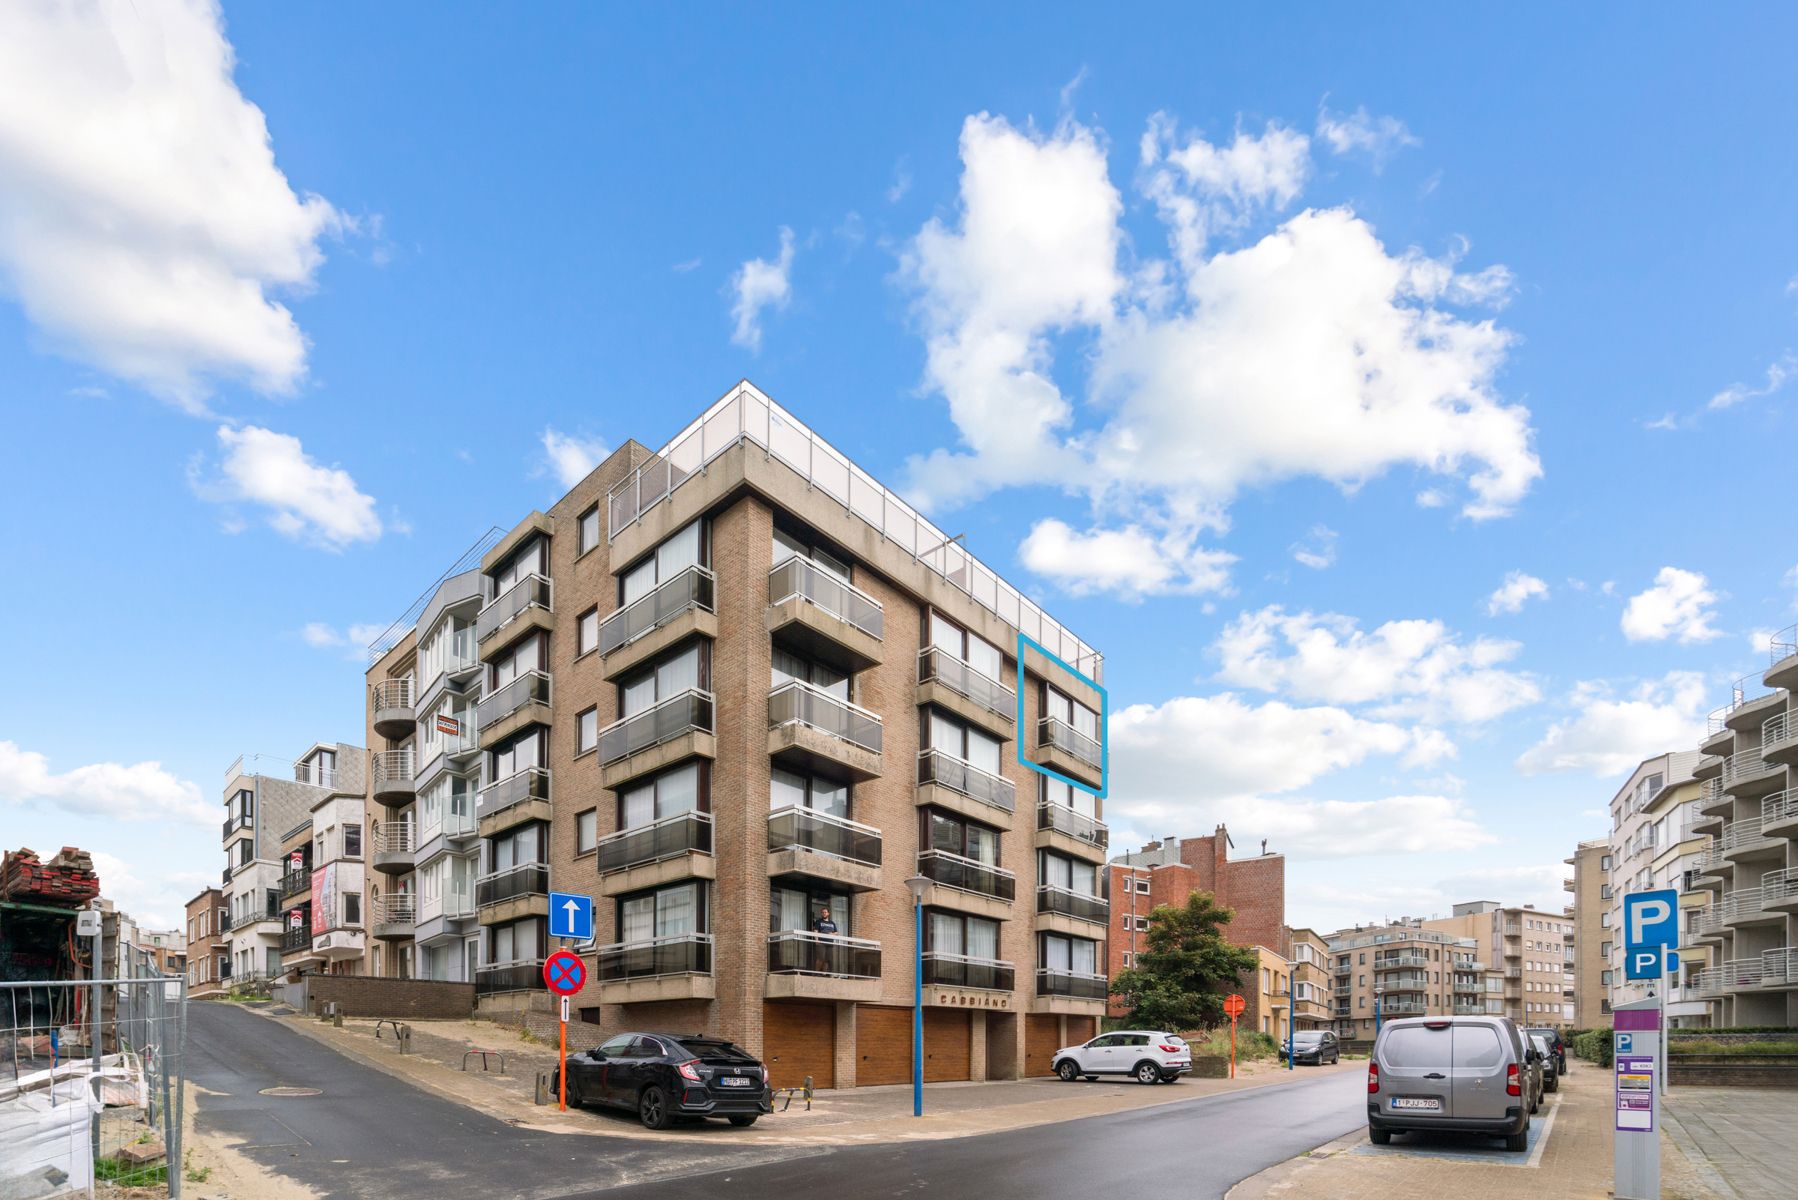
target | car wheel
[
  {"x": 744, "y": 1121},
  {"x": 575, "y": 1099},
  {"x": 1068, "y": 1069},
  {"x": 1379, "y": 1137},
  {"x": 652, "y": 1108},
  {"x": 1517, "y": 1142},
  {"x": 1148, "y": 1072}
]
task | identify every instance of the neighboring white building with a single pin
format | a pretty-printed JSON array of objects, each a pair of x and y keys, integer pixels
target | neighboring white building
[{"x": 1653, "y": 847}]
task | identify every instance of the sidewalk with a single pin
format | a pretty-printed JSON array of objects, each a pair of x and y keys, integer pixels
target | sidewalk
[
  {"x": 1570, "y": 1157},
  {"x": 1739, "y": 1139},
  {"x": 848, "y": 1117}
]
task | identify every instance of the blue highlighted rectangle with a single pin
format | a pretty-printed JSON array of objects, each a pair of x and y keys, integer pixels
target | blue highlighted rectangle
[{"x": 1104, "y": 714}]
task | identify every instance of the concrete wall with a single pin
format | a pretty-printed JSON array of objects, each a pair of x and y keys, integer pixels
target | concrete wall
[{"x": 375, "y": 996}]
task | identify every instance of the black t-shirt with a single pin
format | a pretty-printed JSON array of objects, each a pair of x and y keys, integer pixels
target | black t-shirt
[{"x": 824, "y": 925}]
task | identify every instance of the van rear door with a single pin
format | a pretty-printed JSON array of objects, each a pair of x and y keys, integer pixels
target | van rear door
[
  {"x": 1479, "y": 1072},
  {"x": 1416, "y": 1066}
]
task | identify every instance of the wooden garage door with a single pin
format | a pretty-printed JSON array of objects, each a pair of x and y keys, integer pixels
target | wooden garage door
[
  {"x": 883, "y": 1045},
  {"x": 1082, "y": 1029},
  {"x": 800, "y": 1040},
  {"x": 1042, "y": 1038},
  {"x": 948, "y": 1045}
]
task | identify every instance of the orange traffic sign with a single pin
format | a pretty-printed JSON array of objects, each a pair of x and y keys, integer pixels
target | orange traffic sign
[{"x": 1234, "y": 1005}]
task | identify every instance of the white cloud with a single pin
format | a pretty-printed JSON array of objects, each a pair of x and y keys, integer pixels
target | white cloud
[
  {"x": 1779, "y": 373},
  {"x": 901, "y": 181},
  {"x": 1678, "y": 605},
  {"x": 1760, "y": 640},
  {"x": 1313, "y": 351},
  {"x": 144, "y": 225},
  {"x": 1411, "y": 668},
  {"x": 320, "y": 505},
  {"x": 1317, "y": 550},
  {"x": 1608, "y": 735},
  {"x": 112, "y": 791},
  {"x": 317, "y": 633},
  {"x": 571, "y": 457},
  {"x": 354, "y": 639},
  {"x": 757, "y": 285},
  {"x": 1358, "y": 132},
  {"x": 1129, "y": 561},
  {"x": 156, "y": 903},
  {"x": 1517, "y": 590}
]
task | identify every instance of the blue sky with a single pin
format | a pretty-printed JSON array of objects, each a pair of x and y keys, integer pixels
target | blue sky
[{"x": 1391, "y": 307}]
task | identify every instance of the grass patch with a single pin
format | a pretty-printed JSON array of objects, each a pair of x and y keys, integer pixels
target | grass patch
[
  {"x": 110, "y": 1170},
  {"x": 1704, "y": 1046},
  {"x": 1251, "y": 1045}
]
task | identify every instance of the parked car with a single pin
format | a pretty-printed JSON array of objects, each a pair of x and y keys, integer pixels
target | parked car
[
  {"x": 1557, "y": 1042},
  {"x": 1465, "y": 1074},
  {"x": 1532, "y": 1072},
  {"x": 1146, "y": 1056},
  {"x": 1551, "y": 1070},
  {"x": 663, "y": 1077},
  {"x": 1313, "y": 1047}
]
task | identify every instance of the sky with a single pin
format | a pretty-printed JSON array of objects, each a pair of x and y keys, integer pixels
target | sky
[{"x": 1386, "y": 394}]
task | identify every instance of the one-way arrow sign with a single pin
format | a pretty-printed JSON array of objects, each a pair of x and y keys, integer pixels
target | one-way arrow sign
[{"x": 571, "y": 916}]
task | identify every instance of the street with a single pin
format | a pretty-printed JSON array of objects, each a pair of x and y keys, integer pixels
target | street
[{"x": 370, "y": 1135}]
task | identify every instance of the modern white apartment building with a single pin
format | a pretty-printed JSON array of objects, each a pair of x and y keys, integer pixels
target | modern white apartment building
[{"x": 1654, "y": 846}]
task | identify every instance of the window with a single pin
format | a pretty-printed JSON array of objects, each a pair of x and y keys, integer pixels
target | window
[
  {"x": 957, "y": 835},
  {"x": 954, "y": 933},
  {"x": 787, "y": 545},
  {"x": 522, "y": 659},
  {"x": 587, "y": 535},
  {"x": 527, "y": 560},
  {"x": 1068, "y": 873},
  {"x": 245, "y": 851},
  {"x": 586, "y": 731},
  {"x": 1077, "y": 955},
  {"x": 586, "y": 831},
  {"x": 666, "y": 795},
  {"x": 1604, "y": 919},
  {"x": 520, "y": 941},
  {"x": 352, "y": 908},
  {"x": 352, "y": 841},
  {"x": 788, "y": 667},
  {"x": 798, "y": 908},
  {"x": 1142, "y": 885},
  {"x": 677, "y": 552},
  {"x": 1142, "y": 924},
  {"x": 1062, "y": 707},
  {"x": 586, "y": 632},
  {"x": 960, "y": 740},
  {"x": 684, "y": 670},
  {"x": 1604, "y": 977},
  {"x": 519, "y": 754},
  {"x": 958, "y": 643},
  {"x": 668, "y": 912},
  {"x": 1128, "y": 957},
  {"x": 790, "y": 789},
  {"x": 1604, "y": 862}
]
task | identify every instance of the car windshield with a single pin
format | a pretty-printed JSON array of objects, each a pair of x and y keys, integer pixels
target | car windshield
[
  {"x": 716, "y": 1050},
  {"x": 1307, "y": 1038}
]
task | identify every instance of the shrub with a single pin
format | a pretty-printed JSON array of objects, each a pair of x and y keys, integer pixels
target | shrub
[
  {"x": 1593, "y": 1045},
  {"x": 1705, "y": 1046},
  {"x": 1251, "y": 1045}
]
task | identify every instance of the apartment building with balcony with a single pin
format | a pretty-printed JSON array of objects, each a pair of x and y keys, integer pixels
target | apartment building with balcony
[
  {"x": 293, "y": 896},
  {"x": 1592, "y": 937},
  {"x": 1656, "y": 843},
  {"x": 208, "y": 944},
  {"x": 265, "y": 798},
  {"x": 1406, "y": 969},
  {"x": 1748, "y": 863},
  {"x": 1532, "y": 949},
  {"x": 1168, "y": 870},
  {"x": 733, "y": 683},
  {"x": 1308, "y": 957}
]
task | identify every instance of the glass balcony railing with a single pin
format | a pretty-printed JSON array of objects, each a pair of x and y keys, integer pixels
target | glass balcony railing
[
  {"x": 1076, "y": 985},
  {"x": 952, "y": 870},
  {"x": 800, "y": 577},
  {"x": 1069, "y": 903},
  {"x": 799, "y": 703},
  {"x": 532, "y": 783},
  {"x": 935, "y": 663},
  {"x": 964, "y": 778},
  {"x": 795, "y": 828},
  {"x": 679, "y": 954},
  {"x": 530, "y": 688},
  {"x": 1062, "y": 819},
  {"x": 670, "y": 837},
  {"x": 533, "y": 591},
  {"x": 1053, "y": 731},
  {"x": 961, "y": 970},
  {"x": 525, "y": 879},
  {"x": 683, "y": 712},
  {"x": 796, "y": 952},
  {"x": 518, "y": 976},
  {"x": 689, "y": 589}
]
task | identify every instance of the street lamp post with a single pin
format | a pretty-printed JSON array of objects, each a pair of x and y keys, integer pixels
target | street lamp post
[
  {"x": 1376, "y": 1008},
  {"x": 917, "y": 884}
]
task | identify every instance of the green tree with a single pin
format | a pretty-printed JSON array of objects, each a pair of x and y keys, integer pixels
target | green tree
[{"x": 1181, "y": 980}]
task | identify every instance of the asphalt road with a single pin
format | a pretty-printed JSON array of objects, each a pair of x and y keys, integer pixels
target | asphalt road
[{"x": 369, "y": 1135}]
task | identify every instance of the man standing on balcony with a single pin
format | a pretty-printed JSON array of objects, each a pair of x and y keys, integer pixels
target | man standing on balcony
[{"x": 827, "y": 927}]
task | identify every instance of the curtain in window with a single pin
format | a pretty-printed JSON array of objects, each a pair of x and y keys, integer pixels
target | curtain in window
[
  {"x": 677, "y": 911},
  {"x": 1084, "y": 956},
  {"x": 983, "y": 938},
  {"x": 788, "y": 910},
  {"x": 639, "y": 923},
  {"x": 983, "y": 751},
  {"x": 1057, "y": 871},
  {"x": 639, "y": 806},
  {"x": 946, "y": 934},
  {"x": 1056, "y": 956}
]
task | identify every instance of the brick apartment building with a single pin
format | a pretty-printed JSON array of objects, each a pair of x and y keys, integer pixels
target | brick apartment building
[
  {"x": 1532, "y": 948},
  {"x": 721, "y": 688},
  {"x": 1171, "y": 869},
  {"x": 208, "y": 946}
]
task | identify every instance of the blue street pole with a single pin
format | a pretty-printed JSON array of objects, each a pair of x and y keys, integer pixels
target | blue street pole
[
  {"x": 1289, "y": 1025},
  {"x": 917, "y": 1019},
  {"x": 1376, "y": 1011}
]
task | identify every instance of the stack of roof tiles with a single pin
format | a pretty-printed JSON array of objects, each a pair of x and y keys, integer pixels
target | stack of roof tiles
[{"x": 66, "y": 881}]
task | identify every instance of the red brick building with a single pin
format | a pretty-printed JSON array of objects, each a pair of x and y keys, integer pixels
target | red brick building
[{"x": 1170, "y": 870}]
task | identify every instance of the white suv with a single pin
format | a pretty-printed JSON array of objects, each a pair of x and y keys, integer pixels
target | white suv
[{"x": 1148, "y": 1057}]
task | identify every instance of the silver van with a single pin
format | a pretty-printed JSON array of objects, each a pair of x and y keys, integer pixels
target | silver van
[{"x": 1465, "y": 1074}]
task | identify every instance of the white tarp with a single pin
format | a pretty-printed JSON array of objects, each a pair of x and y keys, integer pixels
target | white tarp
[{"x": 44, "y": 1132}]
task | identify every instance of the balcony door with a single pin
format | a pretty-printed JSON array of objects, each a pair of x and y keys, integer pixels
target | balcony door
[
  {"x": 954, "y": 933},
  {"x": 798, "y": 909},
  {"x": 684, "y": 670},
  {"x": 960, "y": 740},
  {"x": 664, "y": 913},
  {"x": 676, "y": 553},
  {"x": 791, "y": 789},
  {"x": 788, "y": 666},
  {"x": 669, "y": 794},
  {"x": 945, "y": 831}
]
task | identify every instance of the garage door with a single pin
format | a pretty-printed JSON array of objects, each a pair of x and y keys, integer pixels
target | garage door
[
  {"x": 883, "y": 1045},
  {"x": 1042, "y": 1038},
  {"x": 800, "y": 1040},
  {"x": 948, "y": 1045},
  {"x": 1082, "y": 1029}
]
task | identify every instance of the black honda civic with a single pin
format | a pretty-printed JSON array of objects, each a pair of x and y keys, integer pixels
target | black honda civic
[{"x": 663, "y": 1077}]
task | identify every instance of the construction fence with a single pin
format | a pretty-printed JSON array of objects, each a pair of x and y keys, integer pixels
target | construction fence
[{"x": 91, "y": 1083}]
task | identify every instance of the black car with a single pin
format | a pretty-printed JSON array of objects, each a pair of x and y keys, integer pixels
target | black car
[
  {"x": 1556, "y": 1044},
  {"x": 1314, "y": 1047},
  {"x": 663, "y": 1077}
]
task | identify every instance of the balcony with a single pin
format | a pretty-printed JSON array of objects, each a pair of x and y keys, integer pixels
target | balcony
[
  {"x": 1779, "y": 890},
  {"x": 816, "y": 845},
  {"x": 650, "y": 624},
  {"x": 511, "y": 893},
  {"x": 665, "y": 968},
  {"x": 962, "y": 971},
  {"x": 966, "y": 885},
  {"x": 945, "y": 781},
  {"x": 1779, "y": 815},
  {"x": 524, "y": 701},
  {"x": 1342, "y": 989},
  {"x": 237, "y": 822},
  {"x": 1059, "y": 827},
  {"x": 519, "y": 797},
  {"x": 814, "y": 728},
  {"x": 1708, "y": 921},
  {"x": 1403, "y": 1008},
  {"x": 1746, "y": 773},
  {"x": 1779, "y": 738},
  {"x": 949, "y": 683},
  {"x": 1782, "y": 651},
  {"x": 659, "y": 736},
  {"x": 673, "y": 848},
  {"x": 524, "y": 975},
  {"x": 297, "y": 940},
  {"x": 1712, "y": 865},
  {"x": 1065, "y": 902},
  {"x": 396, "y": 917},
  {"x": 1061, "y": 747},
  {"x": 393, "y": 703},
  {"x": 1394, "y": 962},
  {"x": 295, "y": 882},
  {"x": 1072, "y": 985},
  {"x": 455, "y": 903},
  {"x": 1779, "y": 967},
  {"x": 820, "y": 966},
  {"x": 823, "y": 615},
  {"x": 392, "y": 773},
  {"x": 395, "y": 846},
  {"x": 1748, "y": 906},
  {"x": 1469, "y": 1010},
  {"x": 1744, "y": 839},
  {"x": 1415, "y": 981},
  {"x": 525, "y": 606}
]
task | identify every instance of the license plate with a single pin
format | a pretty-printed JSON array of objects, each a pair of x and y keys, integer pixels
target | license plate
[
  {"x": 733, "y": 1081},
  {"x": 1422, "y": 1103}
]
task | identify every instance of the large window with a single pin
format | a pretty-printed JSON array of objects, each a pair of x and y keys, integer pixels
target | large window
[
  {"x": 1057, "y": 791},
  {"x": 788, "y": 666},
  {"x": 790, "y": 789},
  {"x": 527, "y": 560},
  {"x": 681, "y": 671},
  {"x": 957, "y": 835},
  {"x": 517, "y": 847},
  {"x": 1062, "y": 953},
  {"x": 954, "y": 933},
  {"x": 668, "y": 794},
  {"x": 520, "y": 941},
  {"x": 667, "y": 912},
  {"x": 787, "y": 545},
  {"x": 801, "y": 908},
  {"x": 678, "y": 552},
  {"x": 976, "y": 651},
  {"x": 518, "y": 754},
  {"x": 522, "y": 659},
  {"x": 960, "y": 740},
  {"x": 1059, "y": 705},
  {"x": 1068, "y": 873}
]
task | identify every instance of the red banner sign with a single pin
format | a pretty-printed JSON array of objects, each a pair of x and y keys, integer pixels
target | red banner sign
[{"x": 449, "y": 725}]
